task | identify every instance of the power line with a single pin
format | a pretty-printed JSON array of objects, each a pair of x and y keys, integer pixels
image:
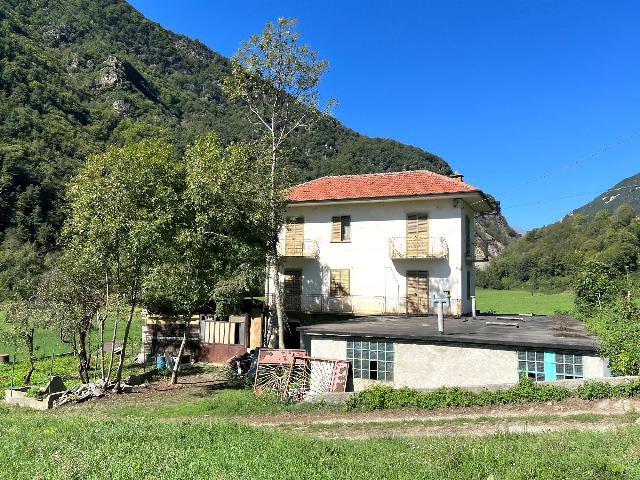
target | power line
[
  {"x": 553, "y": 199},
  {"x": 562, "y": 168}
]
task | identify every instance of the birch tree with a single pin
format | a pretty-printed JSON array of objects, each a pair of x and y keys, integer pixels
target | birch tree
[{"x": 277, "y": 79}]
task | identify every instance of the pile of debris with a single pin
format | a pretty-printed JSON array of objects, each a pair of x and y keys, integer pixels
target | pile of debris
[
  {"x": 97, "y": 389},
  {"x": 293, "y": 376}
]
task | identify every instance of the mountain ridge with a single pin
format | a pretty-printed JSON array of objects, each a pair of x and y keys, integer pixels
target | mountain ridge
[
  {"x": 79, "y": 75},
  {"x": 625, "y": 191}
]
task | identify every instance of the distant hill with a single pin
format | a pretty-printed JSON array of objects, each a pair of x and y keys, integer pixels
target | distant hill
[
  {"x": 77, "y": 75},
  {"x": 627, "y": 191},
  {"x": 606, "y": 230}
]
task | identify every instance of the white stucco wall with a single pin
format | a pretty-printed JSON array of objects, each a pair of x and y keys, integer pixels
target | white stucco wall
[
  {"x": 372, "y": 272},
  {"x": 431, "y": 366},
  {"x": 595, "y": 367}
]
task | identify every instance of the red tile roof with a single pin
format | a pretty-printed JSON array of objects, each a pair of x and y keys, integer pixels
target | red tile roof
[{"x": 378, "y": 185}]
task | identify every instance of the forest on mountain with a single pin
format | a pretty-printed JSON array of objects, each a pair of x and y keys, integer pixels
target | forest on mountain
[
  {"x": 551, "y": 257},
  {"x": 625, "y": 191},
  {"x": 78, "y": 75}
]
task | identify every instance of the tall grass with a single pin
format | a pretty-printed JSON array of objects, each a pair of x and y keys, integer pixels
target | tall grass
[{"x": 65, "y": 447}]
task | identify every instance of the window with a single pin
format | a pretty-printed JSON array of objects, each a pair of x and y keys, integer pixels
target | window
[
  {"x": 294, "y": 237},
  {"x": 467, "y": 237},
  {"x": 339, "y": 283},
  {"x": 341, "y": 229},
  {"x": 417, "y": 235},
  {"x": 568, "y": 366},
  {"x": 550, "y": 365},
  {"x": 531, "y": 364},
  {"x": 372, "y": 360}
]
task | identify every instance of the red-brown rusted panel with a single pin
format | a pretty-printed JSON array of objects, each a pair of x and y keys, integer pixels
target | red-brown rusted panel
[
  {"x": 279, "y": 356},
  {"x": 340, "y": 376},
  {"x": 218, "y": 352}
]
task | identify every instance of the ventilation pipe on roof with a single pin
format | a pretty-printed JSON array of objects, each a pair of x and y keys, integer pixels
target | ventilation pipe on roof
[
  {"x": 440, "y": 303},
  {"x": 457, "y": 176}
]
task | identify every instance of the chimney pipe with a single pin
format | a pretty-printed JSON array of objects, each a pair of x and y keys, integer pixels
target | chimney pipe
[{"x": 457, "y": 176}]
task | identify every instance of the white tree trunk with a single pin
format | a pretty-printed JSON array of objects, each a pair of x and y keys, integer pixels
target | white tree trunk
[
  {"x": 124, "y": 347},
  {"x": 275, "y": 264},
  {"x": 176, "y": 367}
]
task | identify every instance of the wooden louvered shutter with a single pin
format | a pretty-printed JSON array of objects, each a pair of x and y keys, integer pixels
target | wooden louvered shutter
[
  {"x": 336, "y": 229},
  {"x": 417, "y": 235},
  {"x": 294, "y": 237},
  {"x": 417, "y": 292}
]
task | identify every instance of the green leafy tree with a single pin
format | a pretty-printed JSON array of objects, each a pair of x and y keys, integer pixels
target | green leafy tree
[
  {"x": 277, "y": 78},
  {"x": 217, "y": 249},
  {"x": 73, "y": 296},
  {"x": 618, "y": 329},
  {"x": 122, "y": 210},
  {"x": 23, "y": 318},
  {"x": 21, "y": 266},
  {"x": 594, "y": 289}
]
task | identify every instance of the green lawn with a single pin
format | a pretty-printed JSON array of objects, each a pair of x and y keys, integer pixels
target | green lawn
[
  {"x": 56, "y": 446},
  {"x": 519, "y": 301}
]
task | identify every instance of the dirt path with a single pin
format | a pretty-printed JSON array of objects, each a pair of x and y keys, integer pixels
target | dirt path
[
  {"x": 565, "y": 408},
  {"x": 599, "y": 415},
  {"x": 366, "y": 431}
]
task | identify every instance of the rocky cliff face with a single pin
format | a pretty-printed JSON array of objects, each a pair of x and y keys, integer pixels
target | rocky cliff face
[{"x": 493, "y": 234}]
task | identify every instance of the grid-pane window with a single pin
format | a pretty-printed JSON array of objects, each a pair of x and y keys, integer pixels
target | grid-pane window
[
  {"x": 568, "y": 366},
  {"x": 531, "y": 365},
  {"x": 339, "y": 283},
  {"x": 371, "y": 359}
]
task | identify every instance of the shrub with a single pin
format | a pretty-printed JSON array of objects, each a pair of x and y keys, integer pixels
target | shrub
[
  {"x": 618, "y": 329},
  {"x": 594, "y": 288},
  {"x": 380, "y": 397}
]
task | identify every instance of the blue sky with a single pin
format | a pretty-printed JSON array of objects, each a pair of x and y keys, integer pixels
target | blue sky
[{"x": 536, "y": 102}]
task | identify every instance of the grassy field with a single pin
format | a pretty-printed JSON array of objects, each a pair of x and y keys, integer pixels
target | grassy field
[
  {"x": 519, "y": 301},
  {"x": 48, "y": 342},
  {"x": 56, "y": 446}
]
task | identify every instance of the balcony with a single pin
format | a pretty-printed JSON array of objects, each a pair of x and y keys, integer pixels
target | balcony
[
  {"x": 354, "y": 304},
  {"x": 407, "y": 247},
  {"x": 299, "y": 249}
]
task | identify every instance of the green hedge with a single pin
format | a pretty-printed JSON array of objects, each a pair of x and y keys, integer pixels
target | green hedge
[{"x": 381, "y": 397}]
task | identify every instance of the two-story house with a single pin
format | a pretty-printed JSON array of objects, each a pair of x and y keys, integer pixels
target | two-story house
[
  {"x": 364, "y": 259},
  {"x": 380, "y": 244}
]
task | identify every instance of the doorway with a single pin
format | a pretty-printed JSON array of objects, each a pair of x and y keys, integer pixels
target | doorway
[
  {"x": 293, "y": 290},
  {"x": 417, "y": 292}
]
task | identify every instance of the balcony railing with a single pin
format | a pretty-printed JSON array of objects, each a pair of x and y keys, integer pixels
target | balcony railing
[
  {"x": 414, "y": 247},
  {"x": 355, "y": 304},
  {"x": 299, "y": 248}
]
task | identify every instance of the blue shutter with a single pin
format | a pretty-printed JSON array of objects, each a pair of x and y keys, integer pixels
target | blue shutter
[{"x": 549, "y": 365}]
